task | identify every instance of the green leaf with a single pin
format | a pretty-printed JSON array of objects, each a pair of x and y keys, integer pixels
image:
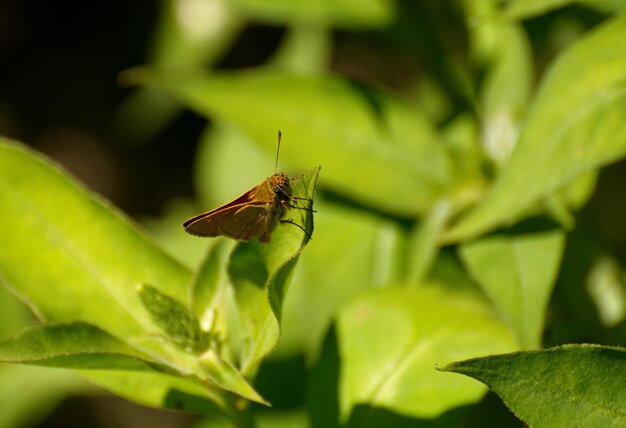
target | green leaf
[
  {"x": 424, "y": 242},
  {"x": 28, "y": 393},
  {"x": 343, "y": 13},
  {"x": 258, "y": 273},
  {"x": 580, "y": 190},
  {"x": 462, "y": 137},
  {"x": 304, "y": 49},
  {"x": 161, "y": 390},
  {"x": 282, "y": 419},
  {"x": 562, "y": 205},
  {"x": 517, "y": 272},
  {"x": 523, "y": 9},
  {"x": 503, "y": 50},
  {"x": 209, "y": 287},
  {"x": 87, "y": 258},
  {"x": 228, "y": 164},
  {"x": 352, "y": 251},
  {"x": 222, "y": 373},
  {"x": 374, "y": 148},
  {"x": 75, "y": 345},
  {"x": 70, "y": 255},
  {"x": 189, "y": 35},
  {"x": 15, "y": 315},
  {"x": 72, "y": 258},
  {"x": 183, "y": 328},
  {"x": 390, "y": 341},
  {"x": 606, "y": 287},
  {"x": 606, "y": 6},
  {"x": 179, "y": 324},
  {"x": 572, "y": 385},
  {"x": 575, "y": 125}
]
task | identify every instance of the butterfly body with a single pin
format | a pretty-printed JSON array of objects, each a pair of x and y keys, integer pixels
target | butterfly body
[{"x": 254, "y": 214}]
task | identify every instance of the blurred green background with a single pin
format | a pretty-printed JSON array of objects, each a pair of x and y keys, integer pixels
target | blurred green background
[{"x": 64, "y": 91}]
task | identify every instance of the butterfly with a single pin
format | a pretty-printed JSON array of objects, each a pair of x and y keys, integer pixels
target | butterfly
[{"x": 255, "y": 214}]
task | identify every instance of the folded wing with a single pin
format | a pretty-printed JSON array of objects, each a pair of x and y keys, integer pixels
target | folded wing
[{"x": 244, "y": 221}]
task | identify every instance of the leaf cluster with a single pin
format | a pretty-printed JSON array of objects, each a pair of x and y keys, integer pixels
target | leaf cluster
[{"x": 447, "y": 239}]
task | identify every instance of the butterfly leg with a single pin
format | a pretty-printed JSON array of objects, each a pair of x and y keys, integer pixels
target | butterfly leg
[
  {"x": 297, "y": 225},
  {"x": 294, "y": 198},
  {"x": 301, "y": 208},
  {"x": 285, "y": 203}
]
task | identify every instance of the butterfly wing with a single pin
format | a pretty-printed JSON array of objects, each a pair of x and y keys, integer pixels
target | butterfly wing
[
  {"x": 208, "y": 227},
  {"x": 208, "y": 224},
  {"x": 247, "y": 216},
  {"x": 249, "y": 221},
  {"x": 243, "y": 221}
]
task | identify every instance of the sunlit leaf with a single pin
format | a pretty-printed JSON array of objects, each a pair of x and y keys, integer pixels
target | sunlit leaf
[
  {"x": 222, "y": 373},
  {"x": 258, "y": 273},
  {"x": 517, "y": 271},
  {"x": 174, "y": 318},
  {"x": 523, "y": 9},
  {"x": 83, "y": 263},
  {"x": 574, "y": 126},
  {"x": 345, "y": 13},
  {"x": 374, "y": 148},
  {"x": 424, "y": 242},
  {"x": 390, "y": 341},
  {"x": 73, "y": 345},
  {"x": 28, "y": 393},
  {"x": 326, "y": 279},
  {"x": 502, "y": 50},
  {"x": 87, "y": 257}
]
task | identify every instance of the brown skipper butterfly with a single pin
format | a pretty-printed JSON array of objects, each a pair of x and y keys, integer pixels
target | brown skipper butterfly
[{"x": 254, "y": 214}]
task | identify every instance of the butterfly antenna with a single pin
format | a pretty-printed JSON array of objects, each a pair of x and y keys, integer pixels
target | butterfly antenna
[{"x": 277, "y": 151}]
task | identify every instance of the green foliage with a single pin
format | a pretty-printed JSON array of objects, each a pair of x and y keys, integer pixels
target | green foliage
[
  {"x": 339, "y": 12},
  {"x": 120, "y": 324},
  {"x": 574, "y": 125},
  {"x": 445, "y": 236},
  {"x": 23, "y": 404},
  {"x": 421, "y": 327},
  {"x": 528, "y": 265},
  {"x": 574, "y": 385},
  {"x": 173, "y": 317},
  {"x": 75, "y": 345},
  {"x": 520, "y": 9},
  {"x": 373, "y": 147}
]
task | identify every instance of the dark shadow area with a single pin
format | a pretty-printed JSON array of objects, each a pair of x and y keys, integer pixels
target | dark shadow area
[
  {"x": 73, "y": 411},
  {"x": 573, "y": 316},
  {"x": 372, "y": 417},
  {"x": 603, "y": 216},
  {"x": 254, "y": 46},
  {"x": 491, "y": 412},
  {"x": 537, "y": 224},
  {"x": 322, "y": 392},
  {"x": 59, "y": 94},
  {"x": 282, "y": 383},
  {"x": 247, "y": 264},
  {"x": 108, "y": 411},
  {"x": 180, "y": 400}
]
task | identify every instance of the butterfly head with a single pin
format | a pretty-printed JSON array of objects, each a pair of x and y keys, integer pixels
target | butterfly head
[{"x": 279, "y": 183}]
